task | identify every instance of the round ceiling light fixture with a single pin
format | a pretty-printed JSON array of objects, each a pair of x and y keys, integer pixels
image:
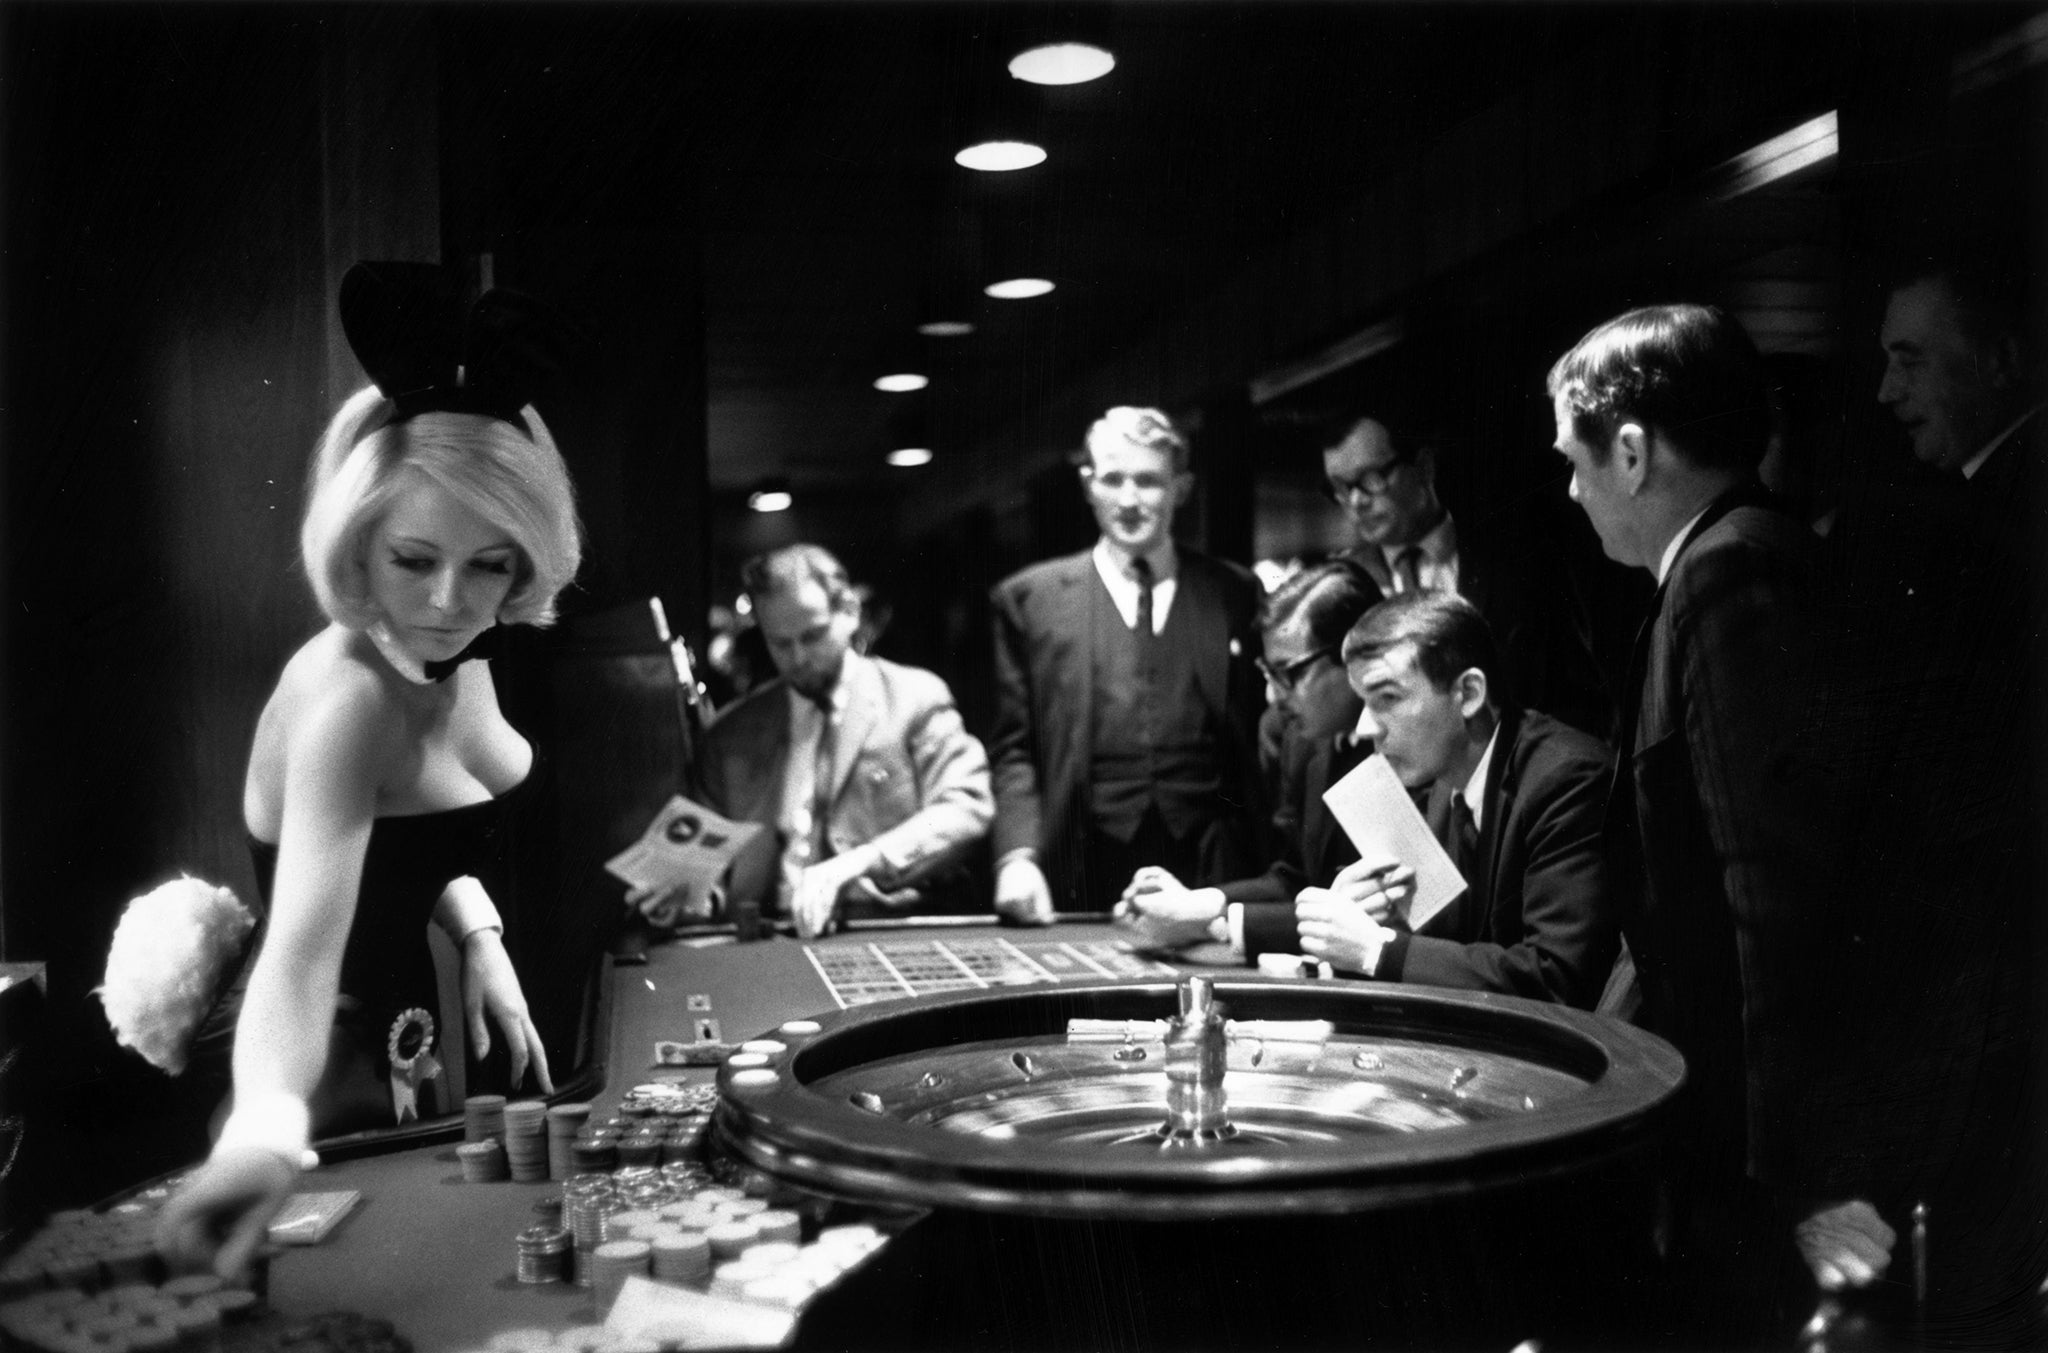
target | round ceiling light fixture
[
  {"x": 910, "y": 457},
  {"x": 996, "y": 157},
  {"x": 770, "y": 500},
  {"x": 946, "y": 328},
  {"x": 901, "y": 383},
  {"x": 1018, "y": 288},
  {"x": 1062, "y": 63}
]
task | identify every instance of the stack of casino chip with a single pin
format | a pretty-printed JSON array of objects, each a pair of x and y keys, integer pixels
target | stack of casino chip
[
  {"x": 586, "y": 1199},
  {"x": 564, "y": 1121},
  {"x": 482, "y": 1162},
  {"x": 612, "y": 1263},
  {"x": 526, "y": 1140},
  {"x": 681, "y": 1256},
  {"x": 543, "y": 1254},
  {"x": 483, "y": 1118}
]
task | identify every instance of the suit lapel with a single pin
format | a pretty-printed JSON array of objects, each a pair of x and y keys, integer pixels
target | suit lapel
[
  {"x": 762, "y": 774},
  {"x": 1495, "y": 796},
  {"x": 1203, "y": 629},
  {"x": 1079, "y": 676},
  {"x": 859, "y": 719}
]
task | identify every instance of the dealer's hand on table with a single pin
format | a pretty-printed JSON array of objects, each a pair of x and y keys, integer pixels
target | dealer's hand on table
[
  {"x": 1845, "y": 1245},
  {"x": 1383, "y": 887},
  {"x": 815, "y": 903},
  {"x": 1158, "y": 911},
  {"x": 489, "y": 985},
  {"x": 1022, "y": 894},
  {"x": 224, "y": 1210},
  {"x": 1338, "y": 931}
]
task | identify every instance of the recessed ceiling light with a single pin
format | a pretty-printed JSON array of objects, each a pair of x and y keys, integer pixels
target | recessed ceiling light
[
  {"x": 1018, "y": 288},
  {"x": 996, "y": 156},
  {"x": 946, "y": 328},
  {"x": 770, "y": 500},
  {"x": 909, "y": 457},
  {"x": 1062, "y": 63},
  {"x": 903, "y": 382}
]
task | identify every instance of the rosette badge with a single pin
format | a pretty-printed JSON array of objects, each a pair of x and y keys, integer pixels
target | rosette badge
[{"x": 172, "y": 951}]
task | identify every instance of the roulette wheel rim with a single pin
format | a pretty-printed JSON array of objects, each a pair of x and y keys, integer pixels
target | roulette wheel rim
[{"x": 832, "y": 1103}]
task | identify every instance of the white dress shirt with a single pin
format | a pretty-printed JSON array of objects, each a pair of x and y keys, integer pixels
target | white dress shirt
[
  {"x": 1114, "y": 567},
  {"x": 800, "y": 773},
  {"x": 1436, "y": 568}
]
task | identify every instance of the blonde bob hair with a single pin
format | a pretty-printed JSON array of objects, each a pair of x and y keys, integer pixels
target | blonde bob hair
[{"x": 518, "y": 485}]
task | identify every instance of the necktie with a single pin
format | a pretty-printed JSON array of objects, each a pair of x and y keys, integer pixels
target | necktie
[
  {"x": 1408, "y": 570},
  {"x": 1465, "y": 849},
  {"x": 821, "y": 781},
  {"x": 1141, "y": 569}
]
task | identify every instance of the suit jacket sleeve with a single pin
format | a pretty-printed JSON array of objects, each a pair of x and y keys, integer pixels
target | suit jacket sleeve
[
  {"x": 951, "y": 772},
  {"x": 1736, "y": 613},
  {"x": 1567, "y": 932},
  {"x": 1013, "y": 741}
]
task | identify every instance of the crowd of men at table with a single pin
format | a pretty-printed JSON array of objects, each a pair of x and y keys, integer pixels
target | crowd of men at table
[{"x": 1807, "y": 866}]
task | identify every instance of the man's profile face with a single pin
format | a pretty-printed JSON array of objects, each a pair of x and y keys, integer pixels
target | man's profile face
[
  {"x": 1134, "y": 491},
  {"x": 1390, "y": 499},
  {"x": 807, "y": 635},
  {"x": 1415, "y": 724},
  {"x": 1938, "y": 379},
  {"x": 1306, "y": 681},
  {"x": 1597, "y": 488}
]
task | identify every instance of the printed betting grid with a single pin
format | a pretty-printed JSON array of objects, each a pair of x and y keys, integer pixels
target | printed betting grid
[{"x": 887, "y": 970}]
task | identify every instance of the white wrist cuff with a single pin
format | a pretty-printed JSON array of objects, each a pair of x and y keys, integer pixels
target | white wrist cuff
[
  {"x": 464, "y": 909},
  {"x": 270, "y": 1120}
]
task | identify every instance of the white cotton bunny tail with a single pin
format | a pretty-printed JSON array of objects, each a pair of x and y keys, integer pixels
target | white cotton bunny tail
[{"x": 170, "y": 954}]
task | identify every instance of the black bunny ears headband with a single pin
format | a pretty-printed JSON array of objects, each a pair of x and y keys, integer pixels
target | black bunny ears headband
[{"x": 430, "y": 349}]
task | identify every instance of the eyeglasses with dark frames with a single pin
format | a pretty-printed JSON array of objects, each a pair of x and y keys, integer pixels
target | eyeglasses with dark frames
[
  {"x": 1289, "y": 675},
  {"x": 1372, "y": 483}
]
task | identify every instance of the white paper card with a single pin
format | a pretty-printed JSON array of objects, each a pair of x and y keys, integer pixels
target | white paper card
[
  {"x": 1373, "y": 808},
  {"x": 686, "y": 846},
  {"x": 684, "y": 1318}
]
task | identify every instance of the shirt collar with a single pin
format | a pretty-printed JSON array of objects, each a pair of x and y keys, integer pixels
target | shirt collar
[
  {"x": 1439, "y": 546},
  {"x": 1111, "y": 559},
  {"x": 1677, "y": 542},
  {"x": 1976, "y": 462},
  {"x": 855, "y": 669},
  {"x": 1475, "y": 788}
]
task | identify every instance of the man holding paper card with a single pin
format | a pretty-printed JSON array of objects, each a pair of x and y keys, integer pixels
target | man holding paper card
[
  {"x": 877, "y": 790},
  {"x": 1500, "y": 888}
]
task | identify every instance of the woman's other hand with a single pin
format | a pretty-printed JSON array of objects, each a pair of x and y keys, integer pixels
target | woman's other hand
[
  {"x": 223, "y": 1212},
  {"x": 489, "y": 985}
]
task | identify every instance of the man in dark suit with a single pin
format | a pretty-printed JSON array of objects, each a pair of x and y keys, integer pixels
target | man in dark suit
[
  {"x": 1126, "y": 699},
  {"x": 1516, "y": 797},
  {"x": 1662, "y": 416},
  {"x": 875, "y": 790},
  {"x": 1928, "y": 741},
  {"x": 1384, "y": 476}
]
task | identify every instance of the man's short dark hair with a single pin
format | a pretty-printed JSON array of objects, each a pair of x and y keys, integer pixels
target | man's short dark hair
[
  {"x": 1329, "y": 597},
  {"x": 1449, "y": 634},
  {"x": 1689, "y": 372},
  {"x": 781, "y": 572}
]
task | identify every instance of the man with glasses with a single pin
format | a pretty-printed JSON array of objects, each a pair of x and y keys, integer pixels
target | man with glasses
[
  {"x": 1386, "y": 482},
  {"x": 1516, "y": 798},
  {"x": 1126, "y": 700}
]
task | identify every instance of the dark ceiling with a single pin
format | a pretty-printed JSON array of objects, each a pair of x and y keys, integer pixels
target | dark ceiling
[{"x": 834, "y": 220}]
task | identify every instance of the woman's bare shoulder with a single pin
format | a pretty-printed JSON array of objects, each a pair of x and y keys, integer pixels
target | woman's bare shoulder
[{"x": 334, "y": 698}]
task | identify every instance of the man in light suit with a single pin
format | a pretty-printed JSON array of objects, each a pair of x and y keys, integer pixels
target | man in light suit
[
  {"x": 1126, "y": 699},
  {"x": 1516, "y": 797},
  {"x": 876, "y": 791},
  {"x": 1662, "y": 417}
]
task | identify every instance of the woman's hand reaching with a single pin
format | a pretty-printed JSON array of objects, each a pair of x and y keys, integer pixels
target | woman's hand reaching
[
  {"x": 222, "y": 1214},
  {"x": 490, "y": 986}
]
